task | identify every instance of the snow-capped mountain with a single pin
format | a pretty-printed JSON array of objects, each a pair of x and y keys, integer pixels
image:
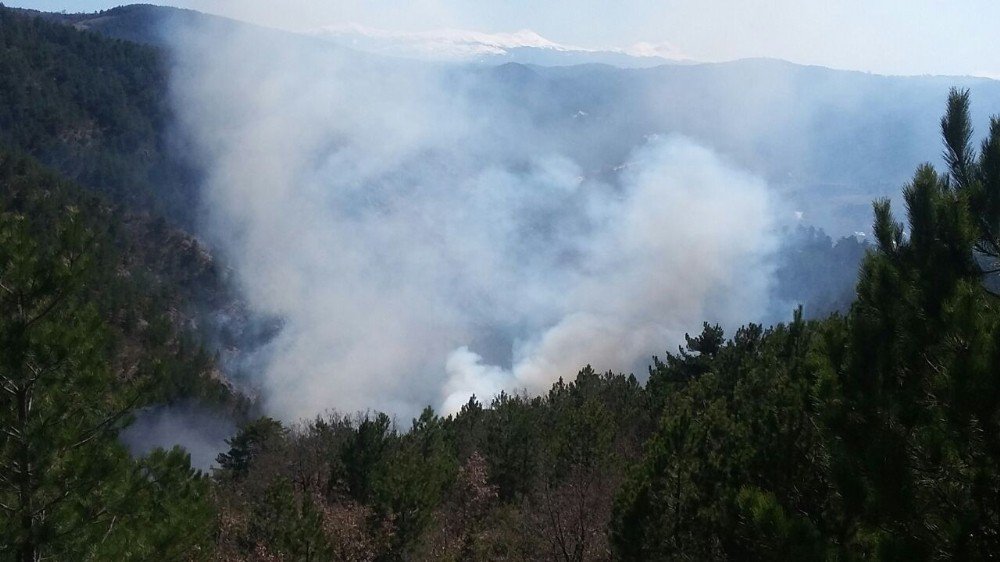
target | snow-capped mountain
[{"x": 523, "y": 46}]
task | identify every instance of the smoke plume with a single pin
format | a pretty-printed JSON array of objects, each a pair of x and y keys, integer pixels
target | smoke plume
[{"x": 424, "y": 239}]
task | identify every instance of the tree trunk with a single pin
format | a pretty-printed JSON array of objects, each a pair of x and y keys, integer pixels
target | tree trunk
[{"x": 27, "y": 550}]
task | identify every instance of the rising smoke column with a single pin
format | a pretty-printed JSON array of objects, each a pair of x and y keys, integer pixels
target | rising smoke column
[{"x": 422, "y": 244}]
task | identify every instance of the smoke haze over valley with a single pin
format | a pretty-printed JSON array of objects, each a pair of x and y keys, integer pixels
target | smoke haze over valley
[
  {"x": 426, "y": 232},
  {"x": 563, "y": 280},
  {"x": 423, "y": 243}
]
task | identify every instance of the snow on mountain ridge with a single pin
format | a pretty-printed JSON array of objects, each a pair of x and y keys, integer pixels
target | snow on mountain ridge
[
  {"x": 465, "y": 45},
  {"x": 661, "y": 50},
  {"x": 455, "y": 42}
]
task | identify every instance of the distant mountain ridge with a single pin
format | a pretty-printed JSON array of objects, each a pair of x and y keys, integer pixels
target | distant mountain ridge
[
  {"x": 829, "y": 141},
  {"x": 146, "y": 24},
  {"x": 524, "y": 46}
]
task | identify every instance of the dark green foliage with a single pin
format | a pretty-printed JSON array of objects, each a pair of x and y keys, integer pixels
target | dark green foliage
[
  {"x": 865, "y": 436},
  {"x": 512, "y": 442},
  {"x": 957, "y": 133},
  {"x": 363, "y": 453},
  {"x": 869, "y": 434},
  {"x": 526, "y": 477},
  {"x": 413, "y": 476},
  {"x": 130, "y": 291},
  {"x": 291, "y": 526},
  {"x": 741, "y": 425},
  {"x": 817, "y": 273},
  {"x": 94, "y": 109},
  {"x": 55, "y": 382},
  {"x": 159, "y": 511},
  {"x": 68, "y": 489},
  {"x": 247, "y": 444}
]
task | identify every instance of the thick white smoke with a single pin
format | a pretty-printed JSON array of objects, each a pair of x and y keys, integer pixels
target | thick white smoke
[{"x": 423, "y": 244}]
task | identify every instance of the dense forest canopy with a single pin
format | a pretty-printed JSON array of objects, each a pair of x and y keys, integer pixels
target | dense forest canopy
[
  {"x": 866, "y": 426},
  {"x": 865, "y": 435},
  {"x": 94, "y": 109},
  {"x": 86, "y": 339}
]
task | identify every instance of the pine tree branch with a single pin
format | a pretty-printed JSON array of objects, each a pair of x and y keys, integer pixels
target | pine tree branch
[
  {"x": 111, "y": 527},
  {"x": 12, "y": 433},
  {"x": 97, "y": 430},
  {"x": 38, "y": 373},
  {"x": 48, "y": 308},
  {"x": 51, "y": 503},
  {"x": 9, "y": 386}
]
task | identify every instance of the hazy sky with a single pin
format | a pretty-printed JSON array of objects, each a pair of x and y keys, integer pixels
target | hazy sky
[{"x": 886, "y": 36}]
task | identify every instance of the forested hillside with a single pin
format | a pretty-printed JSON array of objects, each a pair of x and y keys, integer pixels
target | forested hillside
[
  {"x": 95, "y": 110},
  {"x": 90, "y": 332},
  {"x": 103, "y": 303},
  {"x": 830, "y": 140},
  {"x": 135, "y": 283},
  {"x": 866, "y": 433}
]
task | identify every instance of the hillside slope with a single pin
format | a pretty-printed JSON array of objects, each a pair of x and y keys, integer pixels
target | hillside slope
[
  {"x": 90, "y": 114},
  {"x": 828, "y": 140},
  {"x": 95, "y": 110}
]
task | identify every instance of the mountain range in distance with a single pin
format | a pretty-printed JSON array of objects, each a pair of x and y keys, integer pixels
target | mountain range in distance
[
  {"x": 524, "y": 47},
  {"x": 828, "y": 140}
]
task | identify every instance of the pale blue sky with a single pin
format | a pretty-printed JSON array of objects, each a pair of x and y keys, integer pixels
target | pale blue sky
[{"x": 886, "y": 36}]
